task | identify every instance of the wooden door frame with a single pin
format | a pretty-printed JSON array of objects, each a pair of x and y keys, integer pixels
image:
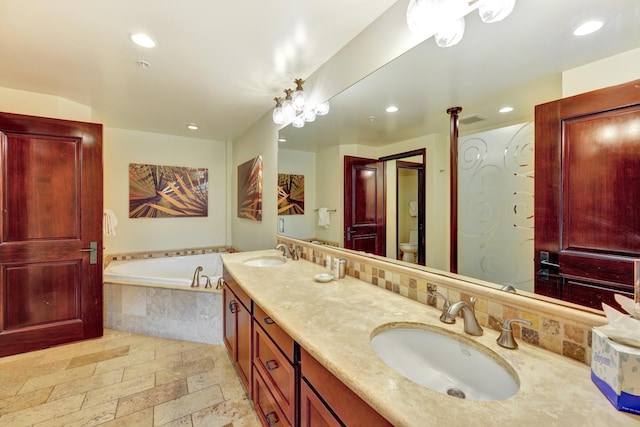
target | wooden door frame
[{"x": 421, "y": 196}]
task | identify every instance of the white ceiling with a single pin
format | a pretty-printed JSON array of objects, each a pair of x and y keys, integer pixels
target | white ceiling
[
  {"x": 218, "y": 63},
  {"x": 516, "y": 62}
]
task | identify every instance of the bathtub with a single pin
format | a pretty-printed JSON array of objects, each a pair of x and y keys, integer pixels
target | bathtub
[
  {"x": 170, "y": 271},
  {"x": 153, "y": 297}
]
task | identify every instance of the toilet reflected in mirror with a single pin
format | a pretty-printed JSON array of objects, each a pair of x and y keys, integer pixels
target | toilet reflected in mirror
[{"x": 410, "y": 248}]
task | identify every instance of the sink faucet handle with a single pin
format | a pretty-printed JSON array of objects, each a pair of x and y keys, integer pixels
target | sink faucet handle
[
  {"x": 506, "y": 338},
  {"x": 294, "y": 252},
  {"x": 473, "y": 303},
  {"x": 445, "y": 305},
  {"x": 508, "y": 288}
]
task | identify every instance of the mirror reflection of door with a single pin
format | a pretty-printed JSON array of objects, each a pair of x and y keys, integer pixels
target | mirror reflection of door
[
  {"x": 364, "y": 214},
  {"x": 587, "y": 205}
]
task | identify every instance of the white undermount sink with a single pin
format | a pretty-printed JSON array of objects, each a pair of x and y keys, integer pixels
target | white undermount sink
[
  {"x": 265, "y": 261},
  {"x": 445, "y": 362}
]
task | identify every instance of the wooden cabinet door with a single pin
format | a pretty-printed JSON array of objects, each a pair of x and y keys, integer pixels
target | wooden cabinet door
[
  {"x": 587, "y": 195},
  {"x": 50, "y": 232},
  {"x": 313, "y": 412},
  {"x": 229, "y": 321},
  {"x": 244, "y": 355},
  {"x": 237, "y": 324}
]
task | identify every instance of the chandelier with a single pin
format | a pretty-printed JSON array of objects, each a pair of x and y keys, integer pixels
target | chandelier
[
  {"x": 294, "y": 107},
  {"x": 444, "y": 19}
]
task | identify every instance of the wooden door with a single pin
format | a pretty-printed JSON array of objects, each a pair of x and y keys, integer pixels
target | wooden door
[
  {"x": 364, "y": 214},
  {"x": 587, "y": 195},
  {"x": 50, "y": 232}
]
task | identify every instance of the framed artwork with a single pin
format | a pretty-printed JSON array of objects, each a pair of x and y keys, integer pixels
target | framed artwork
[
  {"x": 290, "y": 194},
  {"x": 167, "y": 191},
  {"x": 250, "y": 189}
]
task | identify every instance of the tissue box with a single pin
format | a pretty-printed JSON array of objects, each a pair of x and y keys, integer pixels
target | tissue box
[{"x": 615, "y": 369}]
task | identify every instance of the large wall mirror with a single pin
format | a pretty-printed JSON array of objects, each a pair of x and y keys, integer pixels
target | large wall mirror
[{"x": 517, "y": 63}]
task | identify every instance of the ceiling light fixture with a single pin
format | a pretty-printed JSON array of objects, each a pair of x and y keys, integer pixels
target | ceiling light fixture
[
  {"x": 294, "y": 109},
  {"x": 444, "y": 19},
  {"x": 588, "y": 28},
  {"x": 391, "y": 109},
  {"x": 142, "y": 40},
  {"x": 505, "y": 110},
  {"x": 193, "y": 126}
]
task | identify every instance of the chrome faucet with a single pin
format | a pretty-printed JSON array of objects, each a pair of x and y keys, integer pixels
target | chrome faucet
[
  {"x": 471, "y": 325},
  {"x": 195, "y": 282},
  {"x": 286, "y": 252}
]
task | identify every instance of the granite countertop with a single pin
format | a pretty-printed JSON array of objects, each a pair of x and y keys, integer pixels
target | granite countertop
[{"x": 334, "y": 322}]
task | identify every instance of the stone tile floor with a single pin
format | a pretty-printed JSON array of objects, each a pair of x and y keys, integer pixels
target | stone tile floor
[{"x": 123, "y": 379}]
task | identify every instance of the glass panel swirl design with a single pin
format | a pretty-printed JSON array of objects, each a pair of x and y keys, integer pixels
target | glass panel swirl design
[{"x": 495, "y": 206}]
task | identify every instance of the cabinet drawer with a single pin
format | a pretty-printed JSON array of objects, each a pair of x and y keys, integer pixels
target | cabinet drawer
[
  {"x": 277, "y": 372},
  {"x": 279, "y": 336},
  {"x": 269, "y": 413}
]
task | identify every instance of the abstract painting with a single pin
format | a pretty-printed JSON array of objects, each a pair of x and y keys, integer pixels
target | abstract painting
[
  {"x": 167, "y": 191},
  {"x": 250, "y": 189},
  {"x": 290, "y": 194}
]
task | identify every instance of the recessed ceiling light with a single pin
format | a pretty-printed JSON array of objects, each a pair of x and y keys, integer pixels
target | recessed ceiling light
[
  {"x": 282, "y": 139},
  {"x": 193, "y": 126},
  {"x": 143, "y": 64},
  {"x": 588, "y": 28},
  {"x": 391, "y": 109},
  {"x": 142, "y": 40},
  {"x": 506, "y": 109}
]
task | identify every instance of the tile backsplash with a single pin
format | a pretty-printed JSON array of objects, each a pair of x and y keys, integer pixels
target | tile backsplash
[{"x": 554, "y": 327}]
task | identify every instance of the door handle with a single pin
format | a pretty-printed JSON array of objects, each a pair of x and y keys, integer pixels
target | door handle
[
  {"x": 93, "y": 252},
  {"x": 350, "y": 231},
  {"x": 545, "y": 265}
]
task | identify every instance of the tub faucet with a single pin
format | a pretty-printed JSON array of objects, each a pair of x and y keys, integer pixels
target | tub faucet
[
  {"x": 208, "y": 284},
  {"x": 286, "y": 252},
  {"x": 195, "y": 282},
  {"x": 471, "y": 325}
]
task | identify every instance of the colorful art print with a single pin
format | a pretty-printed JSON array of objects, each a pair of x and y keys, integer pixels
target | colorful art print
[
  {"x": 290, "y": 194},
  {"x": 167, "y": 191},
  {"x": 250, "y": 189}
]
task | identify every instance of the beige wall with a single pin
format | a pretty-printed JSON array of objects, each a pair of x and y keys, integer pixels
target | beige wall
[
  {"x": 260, "y": 139},
  {"x": 38, "y": 104},
  {"x": 301, "y": 163},
  {"x": 617, "y": 69},
  {"x": 122, "y": 147}
]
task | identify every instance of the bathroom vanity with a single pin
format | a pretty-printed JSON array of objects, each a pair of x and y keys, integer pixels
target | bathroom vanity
[{"x": 313, "y": 358}]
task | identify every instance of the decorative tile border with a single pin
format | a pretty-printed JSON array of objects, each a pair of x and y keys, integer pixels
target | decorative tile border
[
  {"x": 557, "y": 328},
  {"x": 166, "y": 253}
]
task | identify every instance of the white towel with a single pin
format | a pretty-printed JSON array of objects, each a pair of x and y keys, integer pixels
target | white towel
[
  {"x": 323, "y": 218},
  {"x": 109, "y": 222},
  {"x": 413, "y": 208}
]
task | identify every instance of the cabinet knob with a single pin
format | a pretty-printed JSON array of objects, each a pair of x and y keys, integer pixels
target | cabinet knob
[
  {"x": 233, "y": 307},
  {"x": 272, "y": 418},
  {"x": 269, "y": 321},
  {"x": 271, "y": 364}
]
